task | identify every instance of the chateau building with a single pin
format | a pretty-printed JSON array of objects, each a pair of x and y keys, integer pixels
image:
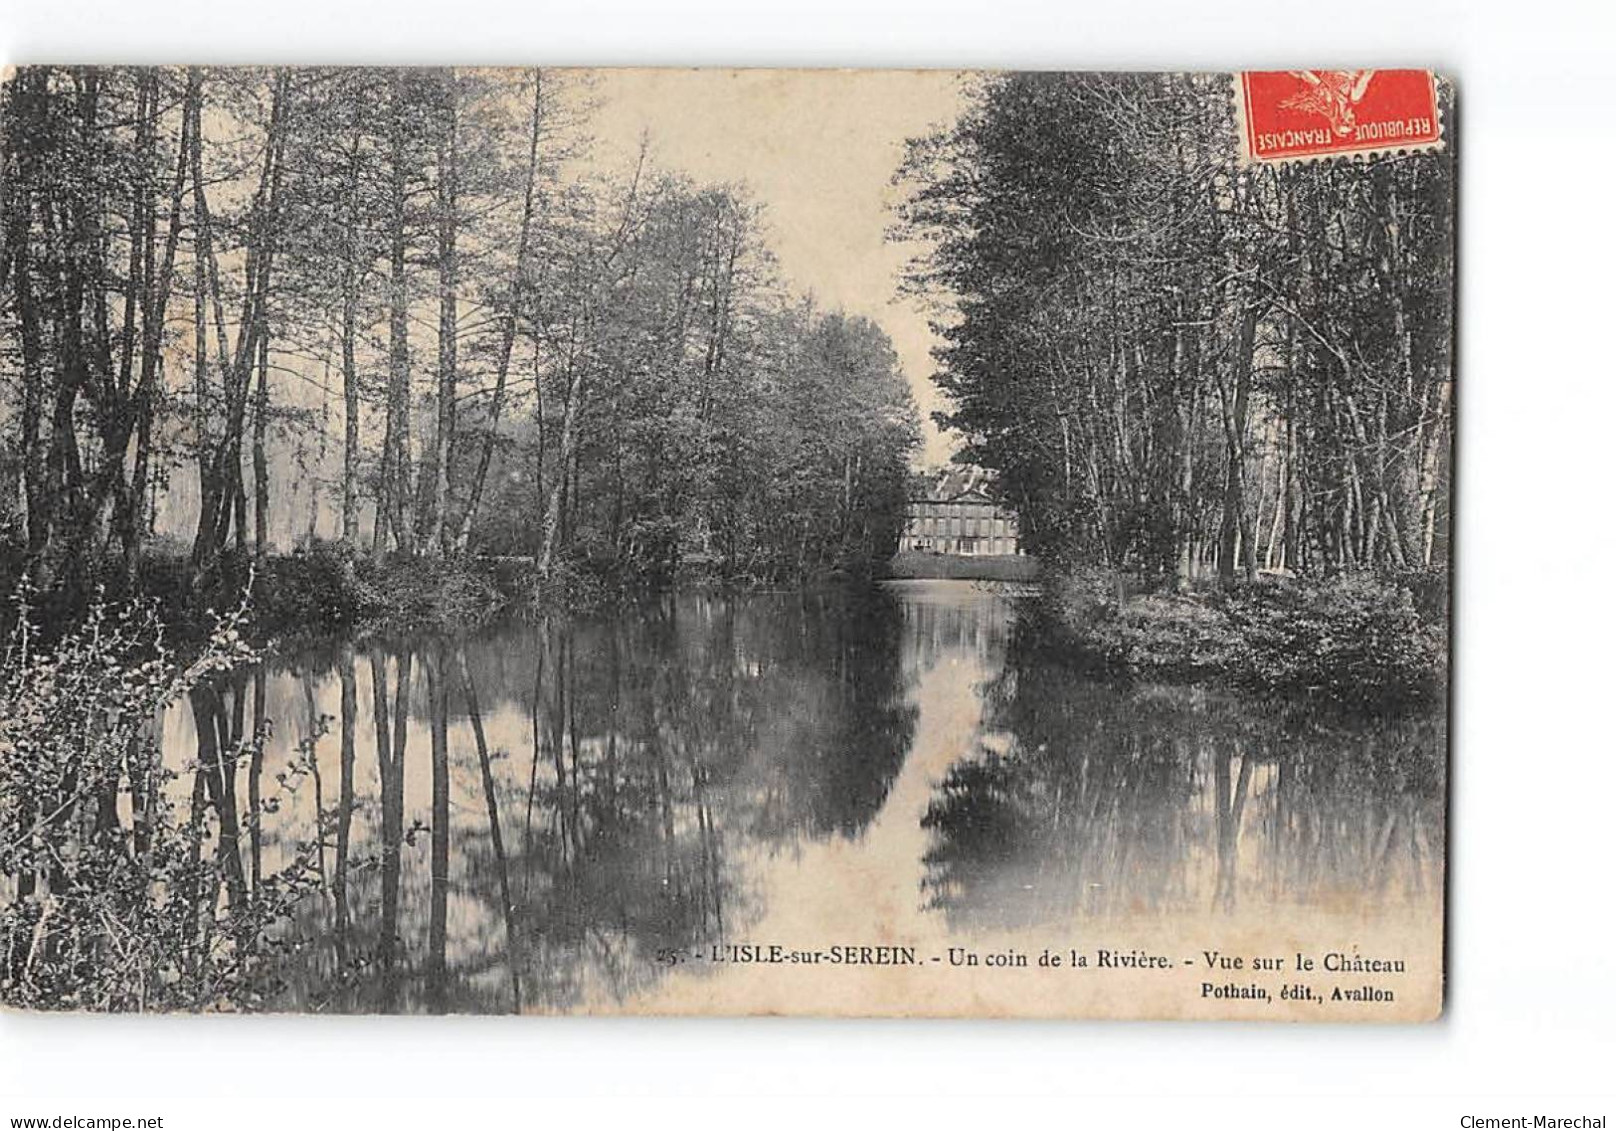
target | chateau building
[{"x": 954, "y": 514}]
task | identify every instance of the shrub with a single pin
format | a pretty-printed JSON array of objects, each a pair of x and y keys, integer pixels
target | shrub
[
  {"x": 565, "y": 588},
  {"x": 435, "y": 593},
  {"x": 110, "y": 899},
  {"x": 327, "y": 588},
  {"x": 1167, "y": 635},
  {"x": 1357, "y": 639},
  {"x": 320, "y": 587},
  {"x": 1098, "y": 624}
]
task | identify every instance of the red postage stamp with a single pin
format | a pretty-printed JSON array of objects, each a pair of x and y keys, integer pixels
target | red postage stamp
[{"x": 1297, "y": 115}]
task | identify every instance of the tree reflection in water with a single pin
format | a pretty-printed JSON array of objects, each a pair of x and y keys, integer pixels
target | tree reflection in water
[
  {"x": 1100, "y": 800},
  {"x": 592, "y": 792},
  {"x": 548, "y": 807}
]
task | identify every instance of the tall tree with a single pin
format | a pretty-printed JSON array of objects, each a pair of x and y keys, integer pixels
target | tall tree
[{"x": 1147, "y": 328}]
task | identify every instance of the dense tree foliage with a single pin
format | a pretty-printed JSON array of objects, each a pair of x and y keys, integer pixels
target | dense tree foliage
[
  {"x": 696, "y": 412},
  {"x": 1180, "y": 365},
  {"x": 243, "y": 309}
]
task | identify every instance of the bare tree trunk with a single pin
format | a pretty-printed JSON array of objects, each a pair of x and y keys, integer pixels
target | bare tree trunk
[
  {"x": 569, "y": 427},
  {"x": 202, "y": 388},
  {"x": 350, "y": 368},
  {"x": 1184, "y": 521},
  {"x": 1432, "y": 461},
  {"x": 448, "y": 302},
  {"x": 507, "y": 331},
  {"x": 142, "y": 235},
  {"x": 399, "y": 486},
  {"x": 223, "y": 485},
  {"x": 156, "y": 286},
  {"x": 1236, "y": 531},
  {"x": 259, "y": 456},
  {"x": 20, "y": 224}
]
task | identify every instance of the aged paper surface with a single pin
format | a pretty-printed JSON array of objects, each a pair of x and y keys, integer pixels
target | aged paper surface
[{"x": 725, "y": 542}]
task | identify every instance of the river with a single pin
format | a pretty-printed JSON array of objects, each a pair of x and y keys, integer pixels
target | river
[{"x": 595, "y": 813}]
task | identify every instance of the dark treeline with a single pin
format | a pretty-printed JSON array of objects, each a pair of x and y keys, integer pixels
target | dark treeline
[
  {"x": 1181, "y": 367},
  {"x": 243, "y": 309}
]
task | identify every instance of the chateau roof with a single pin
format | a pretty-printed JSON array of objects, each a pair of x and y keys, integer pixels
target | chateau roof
[{"x": 957, "y": 482}]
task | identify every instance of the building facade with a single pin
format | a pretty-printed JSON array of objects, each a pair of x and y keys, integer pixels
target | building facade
[{"x": 954, "y": 514}]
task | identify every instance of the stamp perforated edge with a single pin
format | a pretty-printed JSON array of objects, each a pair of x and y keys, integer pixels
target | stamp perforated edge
[{"x": 1442, "y": 91}]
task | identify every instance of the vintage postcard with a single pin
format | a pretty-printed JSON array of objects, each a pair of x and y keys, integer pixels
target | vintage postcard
[{"x": 725, "y": 542}]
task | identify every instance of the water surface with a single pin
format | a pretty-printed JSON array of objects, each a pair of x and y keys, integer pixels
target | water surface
[{"x": 573, "y": 814}]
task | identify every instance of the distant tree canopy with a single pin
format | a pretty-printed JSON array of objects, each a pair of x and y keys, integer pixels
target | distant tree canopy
[
  {"x": 249, "y": 307},
  {"x": 1179, "y": 365}
]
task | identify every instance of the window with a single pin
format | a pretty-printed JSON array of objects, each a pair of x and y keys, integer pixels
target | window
[{"x": 956, "y": 526}]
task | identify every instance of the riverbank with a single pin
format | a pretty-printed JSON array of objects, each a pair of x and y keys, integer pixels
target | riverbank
[
  {"x": 913, "y": 566},
  {"x": 1360, "y": 641},
  {"x": 311, "y": 594},
  {"x": 328, "y": 592},
  {"x": 325, "y": 592}
]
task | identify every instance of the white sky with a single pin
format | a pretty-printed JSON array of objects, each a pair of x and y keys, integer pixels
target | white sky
[{"x": 818, "y": 149}]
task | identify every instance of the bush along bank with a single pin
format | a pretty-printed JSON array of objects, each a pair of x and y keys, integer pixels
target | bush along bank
[
  {"x": 1358, "y": 640},
  {"x": 327, "y": 590},
  {"x": 103, "y": 867},
  {"x": 313, "y": 593},
  {"x": 324, "y": 591}
]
